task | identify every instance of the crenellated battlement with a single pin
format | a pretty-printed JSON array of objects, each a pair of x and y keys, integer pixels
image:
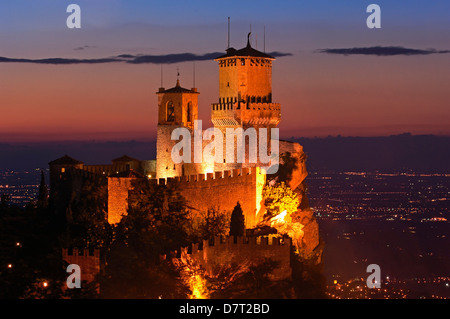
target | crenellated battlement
[
  {"x": 222, "y": 177},
  {"x": 260, "y": 242},
  {"x": 87, "y": 259},
  {"x": 244, "y": 251},
  {"x": 222, "y": 190},
  {"x": 80, "y": 252}
]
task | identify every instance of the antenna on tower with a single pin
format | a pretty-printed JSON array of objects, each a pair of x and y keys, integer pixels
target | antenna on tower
[
  {"x": 162, "y": 75},
  {"x": 193, "y": 75},
  {"x": 228, "y": 37},
  {"x": 264, "y": 39},
  {"x": 178, "y": 77}
]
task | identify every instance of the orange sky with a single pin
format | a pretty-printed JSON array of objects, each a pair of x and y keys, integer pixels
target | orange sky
[{"x": 320, "y": 94}]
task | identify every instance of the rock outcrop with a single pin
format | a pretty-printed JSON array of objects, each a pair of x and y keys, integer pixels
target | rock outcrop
[{"x": 302, "y": 225}]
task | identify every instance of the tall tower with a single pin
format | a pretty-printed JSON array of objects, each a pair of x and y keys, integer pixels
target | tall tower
[
  {"x": 177, "y": 107},
  {"x": 245, "y": 93}
]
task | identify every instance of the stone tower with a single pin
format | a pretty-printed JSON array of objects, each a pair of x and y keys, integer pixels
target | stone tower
[
  {"x": 177, "y": 107},
  {"x": 62, "y": 183},
  {"x": 245, "y": 94}
]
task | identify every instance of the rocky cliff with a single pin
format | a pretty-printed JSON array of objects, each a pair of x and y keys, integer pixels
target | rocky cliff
[{"x": 301, "y": 225}]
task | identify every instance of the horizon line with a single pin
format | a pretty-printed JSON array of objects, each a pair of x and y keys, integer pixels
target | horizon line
[{"x": 153, "y": 139}]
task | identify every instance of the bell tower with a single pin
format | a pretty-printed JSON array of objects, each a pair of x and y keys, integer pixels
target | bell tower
[
  {"x": 245, "y": 92},
  {"x": 177, "y": 107}
]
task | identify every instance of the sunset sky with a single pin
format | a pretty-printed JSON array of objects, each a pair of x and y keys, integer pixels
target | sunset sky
[{"x": 402, "y": 87}]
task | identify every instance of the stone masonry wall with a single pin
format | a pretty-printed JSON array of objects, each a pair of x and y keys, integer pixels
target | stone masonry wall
[
  {"x": 222, "y": 190},
  {"x": 219, "y": 190},
  {"x": 118, "y": 188},
  {"x": 245, "y": 251},
  {"x": 89, "y": 261}
]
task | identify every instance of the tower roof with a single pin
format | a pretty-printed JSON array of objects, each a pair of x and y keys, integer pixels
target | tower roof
[
  {"x": 248, "y": 51},
  {"x": 125, "y": 158},
  {"x": 177, "y": 89},
  {"x": 65, "y": 160}
]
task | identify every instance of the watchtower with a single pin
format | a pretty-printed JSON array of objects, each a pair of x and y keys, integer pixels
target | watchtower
[
  {"x": 245, "y": 93},
  {"x": 177, "y": 107}
]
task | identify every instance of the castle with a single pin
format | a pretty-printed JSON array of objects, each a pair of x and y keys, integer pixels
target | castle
[{"x": 245, "y": 102}]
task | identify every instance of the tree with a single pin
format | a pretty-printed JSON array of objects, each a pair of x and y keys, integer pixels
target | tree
[
  {"x": 286, "y": 167},
  {"x": 214, "y": 223},
  {"x": 237, "y": 223},
  {"x": 155, "y": 225},
  {"x": 29, "y": 244},
  {"x": 5, "y": 200},
  {"x": 279, "y": 198},
  {"x": 255, "y": 283},
  {"x": 42, "y": 200},
  {"x": 241, "y": 281},
  {"x": 88, "y": 225},
  {"x": 157, "y": 217}
]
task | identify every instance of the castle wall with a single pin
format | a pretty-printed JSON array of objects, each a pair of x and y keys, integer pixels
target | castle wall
[
  {"x": 118, "y": 188},
  {"x": 244, "y": 251},
  {"x": 222, "y": 190},
  {"x": 88, "y": 260}
]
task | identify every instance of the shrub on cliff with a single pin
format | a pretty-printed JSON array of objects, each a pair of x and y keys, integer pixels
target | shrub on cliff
[{"x": 278, "y": 197}]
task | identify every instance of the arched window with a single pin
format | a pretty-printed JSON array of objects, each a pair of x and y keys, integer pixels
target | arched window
[
  {"x": 189, "y": 112},
  {"x": 170, "y": 112}
]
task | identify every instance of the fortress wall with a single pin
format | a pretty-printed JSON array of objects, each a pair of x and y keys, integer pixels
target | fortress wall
[
  {"x": 118, "y": 197},
  {"x": 243, "y": 251},
  {"x": 219, "y": 190},
  {"x": 89, "y": 261},
  {"x": 222, "y": 190}
]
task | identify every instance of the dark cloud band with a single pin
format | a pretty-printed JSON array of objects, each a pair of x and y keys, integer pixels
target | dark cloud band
[
  {"x": 128, "y": 58},
  {"x": 58, "y": 61},
  {"x": 382, "y": 51}
]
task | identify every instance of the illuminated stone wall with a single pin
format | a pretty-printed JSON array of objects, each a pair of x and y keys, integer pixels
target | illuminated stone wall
[
  {"x": 165, "y": 167},
  {"x": 245, "y": 251},
  {"x": 222, "y": 190},
  {"x": 219, "y": 190},
  {"x": 118, "y": 188},
  {"x": 250, "y": 76}
]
